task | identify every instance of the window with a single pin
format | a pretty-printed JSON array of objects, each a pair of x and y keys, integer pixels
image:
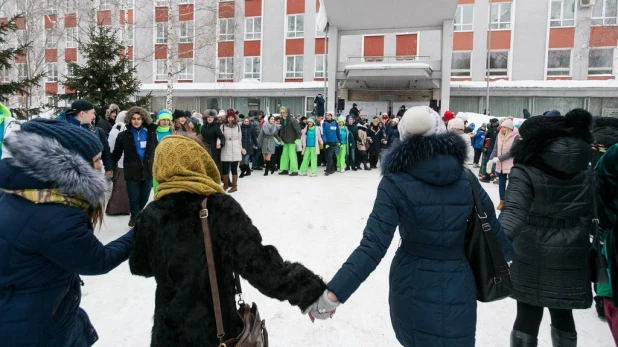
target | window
[
  {"x": 186, "y": 31},
  {"x": 105, "y": 5},
  {"x": 601, "y": 61},
  {"x": 185, "y": 66},
  {"x": 185, "y": 1},
  {"x": 162, "y": 3},
  {"x": 226, "y": 29},
  {"x": 71, "y": 6},
  {"x": 464, "y": 18},
  {"x": 498, "y": 63},
  {"x": 160, "y": 70},
  {"x": 252, "y": 67},
  {"x": 50, "y": 7},
  {"x": 460, "y": 65},
  {"x": 294, "y": 66},
  {"x": 296, "y": 25},
  {"x": 51, "y": 39},
  {"x": 501, "y": 15},
  {"x": 128, "y": 4},
  {"x": 71, "y": 38},
  {"x": 559, "y": 62},
  {"x": 52, "y": 72},
  {"x": 70, "y": 71},
  {"x": 22, "y": 70},
  {"x": 320, "y": 65},
  {"x": 253, "y": 28},
  {"x": 161, "y": 33},
  {"x": 605, "y": 12},
  {"x": 129, "y": 37},
  {"x": 5, "y": 74},
  {"x": 22, "y": 37},
  {"x": 562, "y": 13},
  {"x": 226, "y": 68}
]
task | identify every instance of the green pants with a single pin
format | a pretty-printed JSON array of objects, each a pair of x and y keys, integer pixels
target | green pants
[
  {"x": 342, "y": 156},
  {"x": 288, "y": 158},
  {"x": 310, "y": 155}
]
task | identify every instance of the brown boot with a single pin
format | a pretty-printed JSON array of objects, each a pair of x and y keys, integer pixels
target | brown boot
[
  {"x": 234, "y": 184},
  {"x": 500, "y": 205},
  {"x": 225, "y": 180}
]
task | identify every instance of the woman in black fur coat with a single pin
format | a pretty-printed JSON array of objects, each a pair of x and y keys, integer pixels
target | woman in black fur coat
[{"x": 169, "y": 246}]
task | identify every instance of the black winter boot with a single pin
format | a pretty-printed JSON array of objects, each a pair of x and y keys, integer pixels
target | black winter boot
[
  {"x": 519, "y": 339},
  {"x": 243, "y": 169},
  {"x": 266, "y": 167},
  {"x": 366, "y": 167},
  {"x": 561, "y": 338}
]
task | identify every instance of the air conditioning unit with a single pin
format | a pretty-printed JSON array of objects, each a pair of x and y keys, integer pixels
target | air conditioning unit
[{"x": 587, "y": 3}]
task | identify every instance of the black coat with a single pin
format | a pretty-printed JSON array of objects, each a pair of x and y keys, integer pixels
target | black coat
[
  {"x": 605, "y": 135},
  {"x": 249, "y": 138},
  {"x": 169, "y": 246},
  {"x": 134, "y": 168},
  {"x": 210, "y": 133},
  {"x": 105, "y": 125},
  {"x": 290, "y": 132},
  {"x": 354, "y": 112},
  {"x": 376, "y": 134}
]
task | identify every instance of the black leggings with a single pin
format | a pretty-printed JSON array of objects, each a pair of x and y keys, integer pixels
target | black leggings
[
  {"x": 529, "y": 319},
  {"x": 230, "y": 165}
]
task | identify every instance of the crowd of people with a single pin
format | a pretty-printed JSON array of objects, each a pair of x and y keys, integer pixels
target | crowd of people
[{"x": 54, "y": 181}]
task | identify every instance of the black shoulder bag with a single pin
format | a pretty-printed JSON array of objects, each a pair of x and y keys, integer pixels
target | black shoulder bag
[{"x": 491, "y": 272}]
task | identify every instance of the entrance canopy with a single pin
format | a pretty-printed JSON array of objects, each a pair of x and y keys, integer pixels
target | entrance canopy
[{"x": 412, "y": 75}]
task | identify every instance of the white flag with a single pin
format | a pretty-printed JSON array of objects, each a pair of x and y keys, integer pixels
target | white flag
[{"x": 321, "y": 19}]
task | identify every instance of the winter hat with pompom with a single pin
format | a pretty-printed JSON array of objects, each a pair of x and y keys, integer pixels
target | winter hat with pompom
[
  {"x": 448, "y": 115},
  {"x": 508, "y": 124},
  {"x": 420, "y": 121},
  {"x": 456, "y": 124}
]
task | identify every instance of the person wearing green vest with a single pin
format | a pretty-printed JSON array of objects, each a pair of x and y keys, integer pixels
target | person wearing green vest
[
  {"x": 163, "y": 124},
  {"x": 8, "y": 125}
]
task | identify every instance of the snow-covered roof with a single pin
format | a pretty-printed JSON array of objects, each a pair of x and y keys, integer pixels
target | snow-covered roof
[
  {"x": 585, "y": 84},
  {"x": 243, "y": 85},
  {"x": 387, "y": 66}
]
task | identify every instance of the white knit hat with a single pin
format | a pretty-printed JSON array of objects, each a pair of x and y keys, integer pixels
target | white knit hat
[
  {"x": 420, "y": 120},
  {"x": 508, "y": 124},
  {"x": 456, "y": 124}
]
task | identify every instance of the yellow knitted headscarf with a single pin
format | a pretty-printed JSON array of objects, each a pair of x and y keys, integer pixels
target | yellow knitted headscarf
[{"x": 182, "y": 165}]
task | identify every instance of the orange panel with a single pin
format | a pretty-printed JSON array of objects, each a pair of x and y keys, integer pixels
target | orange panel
[
  {"x": 601, "y": 78},
  {"x": 68, "y": 91},
  {"x": 318, "y": 79},
  {"x": 373, "y": 46},
  {"x": 20, "y": 22},
  {"x": 556, "y": 78},
  {"x": 407, "y": 44},
  {"x": 51, "y": 55},
  {"x": 252, "y": 48},
  {"x": 501, "y": 0},
  {"x": 227, "y": 9},
  {"x": 319, "y": 46},
  {"x": 295, "y": 6},
  {"x": 129, "y": 14},
  {"x": 160, "y": 51},
  {"x": 70, "y": 54},
  {"x": 104, "y": 17},
  {"x": 185, "y": 81},
  {"x": 293, "y": 79},
  {"x": 185, "y": 50},
  {"x": 226, "y": 49},
  {"x": 253, "y": 8},
  {"x": 185, "y": 12},
  {"x": 501, "y": 39},
  {"x": 463, "y": 41},
  {"x": 603, "y": 36},
  {"x": 161, "y": 14},
  {"x": 317, "y": 6},
  {"x": 51, "y": 88},
  {"x": 130, "y": 50},
  {"x": 294, "y": 46},
  {"x": 461, "y": 79},
  {"x": 70, "y": 21},
  {"x": 561, "y": 37},
  {"x": 464, "y": 2},
  {"x": 50, "y": 21},
  {"x": 20, "y": 58}
]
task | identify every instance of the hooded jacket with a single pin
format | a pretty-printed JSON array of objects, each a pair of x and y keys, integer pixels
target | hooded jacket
[
  {"x": 290, "y": 130},
  {"x": 249, "y": 138},
  {"x": 605, "y": 135},
  {"x": 330, "y": 131}
]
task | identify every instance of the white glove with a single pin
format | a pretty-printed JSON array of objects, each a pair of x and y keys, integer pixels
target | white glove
[
  {"x": 495, "y": 160},
  {"x": 490, "y": 166},
  {"x": 322, "y": 308}
]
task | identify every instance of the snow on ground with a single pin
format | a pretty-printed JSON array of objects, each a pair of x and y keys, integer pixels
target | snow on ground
[{"x": 317, "y": 221}]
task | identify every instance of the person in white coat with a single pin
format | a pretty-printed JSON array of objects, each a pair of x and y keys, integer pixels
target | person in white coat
[
  {"x": 232, "y": 151},
  {"x": 119, "y": 202}
]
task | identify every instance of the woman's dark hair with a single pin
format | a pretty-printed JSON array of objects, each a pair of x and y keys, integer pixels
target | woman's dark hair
[
  {"x": 234, "y": 122},
  {"x": 269, "y": 117}
]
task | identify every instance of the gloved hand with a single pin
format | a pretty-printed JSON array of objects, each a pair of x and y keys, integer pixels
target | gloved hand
[
  {"x": 490, "y": 166},
  {"x": 323, "y": 308},
  {"x": 326, "y": 146},
  {"x": 495, "y": 160},
  {"x": 297, "y": 142}
]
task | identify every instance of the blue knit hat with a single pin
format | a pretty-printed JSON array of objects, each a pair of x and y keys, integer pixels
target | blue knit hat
[{"x": 75, "y": 139}]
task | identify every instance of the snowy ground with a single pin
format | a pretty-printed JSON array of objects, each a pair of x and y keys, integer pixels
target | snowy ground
[{"x": 317, "y": 221}]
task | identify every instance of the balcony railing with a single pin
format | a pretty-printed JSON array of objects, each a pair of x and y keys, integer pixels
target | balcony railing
[{"x": 387, "y": 58}]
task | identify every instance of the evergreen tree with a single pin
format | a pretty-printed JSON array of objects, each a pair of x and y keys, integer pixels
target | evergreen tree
[
  {"x": 107, "y": 76},
  {"x": 22, "y": 86}
]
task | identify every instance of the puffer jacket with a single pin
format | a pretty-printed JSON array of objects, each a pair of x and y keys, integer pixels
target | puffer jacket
[
  {"x": 290, "y": 131},
  {"x": 249, "y": 138},
  {"x": 426, "y": 193},
  {"x": 605, "y": 135},
  {"x": 232, "y": 151}
]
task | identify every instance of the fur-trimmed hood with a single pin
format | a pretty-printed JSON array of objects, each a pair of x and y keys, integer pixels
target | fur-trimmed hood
[
  {"x": 605, "y": 131},
  {"x": 44, "y": 160},
  {"x": 437, "y": 159}
]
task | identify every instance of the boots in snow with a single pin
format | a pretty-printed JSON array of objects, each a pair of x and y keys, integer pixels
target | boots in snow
[
  {"x": 243, "y": 170},
  {"x": 500, "y": 205},
  {"x": 131, "y": 222},
  {"x": 266, "y": 167},
  {"x": 247, "y": 170},
  {"x": 226, "y": 180},
  {"x": 366, "y": 167},
  {"x": 273, "y": 167},
  {"x": 519, "y": 339},
  {"x": 234, "y": 184},
  {"x": 561, "y": 338},
  {"x": 284, "y": 172}
]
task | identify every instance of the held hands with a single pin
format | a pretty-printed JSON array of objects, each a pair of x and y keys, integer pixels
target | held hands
[
  {"x": 297, "y": 142},
  {"x": 218, "y": 146},
  {"x": 324, "y": 308},
  {"x": 244, "y": 151}
]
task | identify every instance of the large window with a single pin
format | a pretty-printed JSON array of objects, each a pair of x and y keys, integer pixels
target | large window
[
  {"x": 185, "y": 68},
  {"x": 605, "y": 12},
  {"x": 226, "y": 29},
  {"x": 129, "y": 34},
  {"x": 71, "y": 38},
  {"x": 562, "y": 13},
  {"x": 22, "y": 70},
  {"x": 160, "y": 70},
  {"x": 601, "y": 61},
  {"x": 501, "y": 15},
  {"x": 50, "y": 7},
  {"x": 464, "y": 18},
  {"x": 460, "y": 65},
  {"x": 161, "y": 33},
  {"x": 559, "y": 62},
  {"x": 320, "y": 65},
  {"x": 226, "y": 68},
  {"x": 294, "y": 66},
  {"x": 252, "y": 67},
  {"x": 296, "y": 25},
  {"x": 498, "y": 63},
  {"x": 253, "y": 28},
  {"x": 128, "y": 4},
  {"x": 185, "y": 34},
  {"x": 71, "y": 6},
  {"x": 162, "y": 3},
  {"x": 52, "y": 72},
  {"x": 105, "y": 5},
  {"x": 51, "y": 39}
]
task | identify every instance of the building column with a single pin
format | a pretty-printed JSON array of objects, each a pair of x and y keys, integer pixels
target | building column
[
  {"x": 581, "y": 46},
  {"x": 447, "y": 57},
  {"x": 333, "y": 59}
]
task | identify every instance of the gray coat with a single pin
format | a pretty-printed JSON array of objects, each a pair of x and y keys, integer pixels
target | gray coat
[{"x": 266, "y": 140}]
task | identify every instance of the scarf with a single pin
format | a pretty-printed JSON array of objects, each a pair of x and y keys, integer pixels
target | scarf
[
  {"x": 161, "y": 129},
  {"x": 269, "y": 129},
  {"x": 182, "y": 165},
  {"x": 50, "y": 196}
]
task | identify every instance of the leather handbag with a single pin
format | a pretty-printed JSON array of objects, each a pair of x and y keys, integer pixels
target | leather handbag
[
  {"x": 598, "y": 263},
  {"x": 254, "y": 333},
  {"x": 491, "y": 272}
]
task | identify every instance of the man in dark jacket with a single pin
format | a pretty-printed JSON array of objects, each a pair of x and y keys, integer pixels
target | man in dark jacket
[
  {"x": 331, "y": 138},
  {"x": 354, "y": 111},
  {"x": 318, "y": 105},
  {"x": 353, "y": 130},
  {"x": 478, "y": 140},
  {"x": 290, "y": 134},
  {"x": 257, "y": 152},
  {"x": 211, "y": 132},
  {"x": 402, "y": 111}
]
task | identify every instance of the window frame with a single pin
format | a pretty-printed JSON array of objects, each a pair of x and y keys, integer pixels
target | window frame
[
  {"x": 24, "y": 67},
  {"x": 469, "y": 70},
  {"x": 500, "y": 23},
  {"x": 162, "y": 3},
  {"x": 294, "y": 34},
  {"x": 183, "y": 69},
  {"x": 73, "y": 33},
  {"x": 463, "y": 27},
  {"x": 604, "y": 20},
  {"x": 71, "y": 6},
  {"x": 50, "y": 7},
  {"x": 131, "y": 36},
  {"x": 158, "y": 77},
  {"x": 53, "y": 77},
  {"x": 225, "y": 37},
  {"x": 506, "y": 70},
  {"x": 229, "y": 63},
  {"x": 560, "y": 69},
  {"x": 319, "y": 73},
  {"x": 161, "y": 40},
  {"x": 105, "y": 5},
  {"x": 51, "y": 38},
  {"x": 190, "y": 32},
  {"x": 561, "y": 22},
  {"x": 253, "y": 35},
  {"x": 602, "y": 69},
  {"x": 252, "y": 74},
  {"x": 294, "y": 74},
  {"x": 185, "y": 2}
]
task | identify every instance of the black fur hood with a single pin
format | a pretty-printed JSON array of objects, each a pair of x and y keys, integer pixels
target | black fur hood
[{"x": 45, "y": 160}]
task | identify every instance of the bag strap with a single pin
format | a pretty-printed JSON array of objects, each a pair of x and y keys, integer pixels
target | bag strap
[
  {"x": 212, "y": 272},
  {"x": 478, "y": 204}
]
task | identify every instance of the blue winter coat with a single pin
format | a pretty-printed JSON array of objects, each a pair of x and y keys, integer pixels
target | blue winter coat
[
  {"x": 425, "y": 193},
  {"x": 478, "y": 140},
  {"x": 45, "y": 247},
  {"x": 330, "y": 131}
]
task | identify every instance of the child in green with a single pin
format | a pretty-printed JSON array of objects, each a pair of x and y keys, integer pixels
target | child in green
[
  {"x": 343, "y": 146},
  {"x": 311, "y": 140}
]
